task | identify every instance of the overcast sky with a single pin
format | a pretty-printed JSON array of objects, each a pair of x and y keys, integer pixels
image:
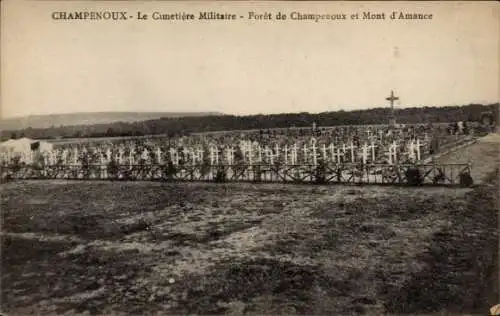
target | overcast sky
[{"x": 245, "y": 67}]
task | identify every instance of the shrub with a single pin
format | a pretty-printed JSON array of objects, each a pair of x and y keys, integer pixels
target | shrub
[
  {"x": 320, "y": 174},
  {"x": 413, "y": 176},
  {"x": 169, "y": 170},
  {"x": 220, "y": 175},
  {"x": 466, "y": 179},
  {"x": 112, "y": 169}
]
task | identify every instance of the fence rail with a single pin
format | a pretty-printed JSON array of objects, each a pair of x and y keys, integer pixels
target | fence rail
[{"x": 398, "y": 174}]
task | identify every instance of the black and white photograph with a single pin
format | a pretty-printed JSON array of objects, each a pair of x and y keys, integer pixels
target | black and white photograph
[{"x": 249, "y": 158}]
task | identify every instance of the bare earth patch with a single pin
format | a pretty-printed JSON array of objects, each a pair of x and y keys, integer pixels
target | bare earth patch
[{"x": 125, "y": 248}]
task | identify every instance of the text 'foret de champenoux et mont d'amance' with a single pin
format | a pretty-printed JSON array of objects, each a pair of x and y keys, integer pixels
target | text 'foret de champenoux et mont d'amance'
[{"x": 251, "y": 15}]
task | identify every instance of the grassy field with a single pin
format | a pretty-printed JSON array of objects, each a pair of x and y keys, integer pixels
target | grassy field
[
  {"x": 122, "y": 248},
  {"x": 152, "y": 248}
]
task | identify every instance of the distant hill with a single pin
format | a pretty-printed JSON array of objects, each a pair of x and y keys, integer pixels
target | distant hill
[{"x": 90, "y": 118}]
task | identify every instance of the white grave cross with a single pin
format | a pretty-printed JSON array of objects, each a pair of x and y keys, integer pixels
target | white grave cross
[
  {"x": 75, "y": 156},
  {"x": 186, "y": 151},
  {"x": 294, "y": 154},
  {"x": 277, "y": 151},
  {"x": 352, "y": 152},
  {"x": 392, "y": 153},
  {"x": 173, "y": 156},
  {"x": 200, "y": 155},
  {"x": 158, "y": 155},
  {"x": 145, "y": 154},
  {"x": 372, "y": 146},
  {"x": 306, "y": 160},
  {"x": 230, "y": 155},
  {"x": 314, "y": 155},
  {"x": 418, "y": 149},
  {"x": 250, "y": 153},
  {"x": 365, "y": 153},
  {"x": 339, "y": 156},
  {"x": 332, "y": 151},
  {"x": 411, "y": 151},
  {"x": 285, "y": 151},
  {"x": 193, "y": 156}
]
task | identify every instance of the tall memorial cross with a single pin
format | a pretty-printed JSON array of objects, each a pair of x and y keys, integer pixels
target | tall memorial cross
[{"x": 391, "y": 99}]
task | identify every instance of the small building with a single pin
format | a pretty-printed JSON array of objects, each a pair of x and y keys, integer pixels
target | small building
[{"x": 25, "y": 148}]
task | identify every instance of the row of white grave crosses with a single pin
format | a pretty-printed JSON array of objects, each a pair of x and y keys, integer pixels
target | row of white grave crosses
[
  {"x": 310, "y": 153},
  {"x": 251, "y": 153}
]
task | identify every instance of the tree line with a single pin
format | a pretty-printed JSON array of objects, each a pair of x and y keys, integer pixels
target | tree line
[{"x": 179, "y": 126}]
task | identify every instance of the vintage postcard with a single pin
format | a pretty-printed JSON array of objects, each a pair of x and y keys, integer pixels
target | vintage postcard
[{"x": 249, "y": 157}]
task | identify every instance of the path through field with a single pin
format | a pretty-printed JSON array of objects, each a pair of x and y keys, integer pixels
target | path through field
[{"x": 484, "y": 155}]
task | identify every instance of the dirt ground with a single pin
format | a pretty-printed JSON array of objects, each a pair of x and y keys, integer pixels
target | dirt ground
[{"x": 135, "y": 248}]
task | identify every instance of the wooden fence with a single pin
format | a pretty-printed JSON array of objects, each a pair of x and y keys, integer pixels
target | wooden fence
[{"x": 397, "y": 174}]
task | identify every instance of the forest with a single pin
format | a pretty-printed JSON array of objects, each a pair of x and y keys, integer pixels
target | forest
[{"x": 178, "y": 126}]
